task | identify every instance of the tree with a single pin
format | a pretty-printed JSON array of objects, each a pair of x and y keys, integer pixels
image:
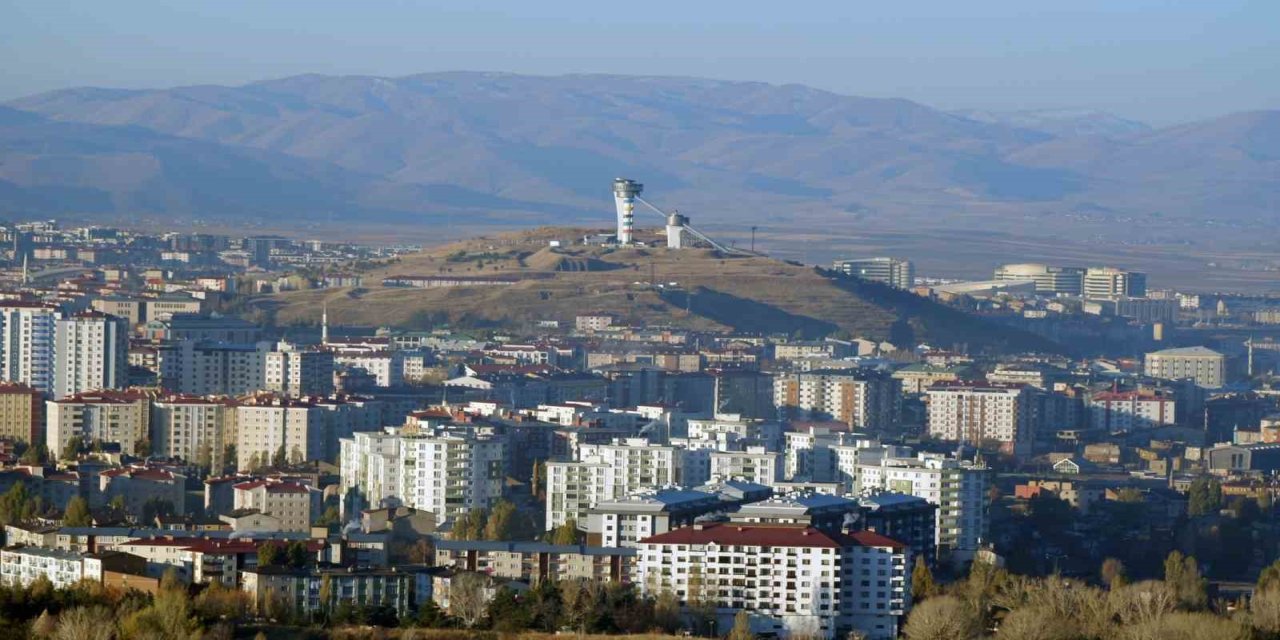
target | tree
[
  {"x": 330, "y": 517},
  {"x": 1264, "y": 607},
  {"x": 44, "y": 626},
  {"x": 71, "y": 450},
  {"x": 466, "y": 598},
  {"x": 281, "y": 458},
  {"x": 85, "y": 623},
  {"x": 922, "y": 584},
  {"x": 142, "y": 448},
  {"x": 741, "y": 626},
  {"x": 566, "y": 533},
  {"x": 942, "y": 618},
  {"x": 470, "y": 526},
  {"x": 501, "y": 521},
  {"x": 1182, "y": 577},
  {"x": 1204, "y": 496},
  {"x": 17, "y": 504},
  {"x": 666, "y": 611},
  {"x": 269, "y": 555},
  {"x": 77, "y": 513},
  {"x": 36, "y": 454},
  {"x": 1113, "y": 573},
  {"x": 539, "y": 479},
  {"x": 117, "y": 502},
  {"x": 296, "y": 554},
  {"x": 156, "y": 506},
  {"x": 1270, "y": 577}
]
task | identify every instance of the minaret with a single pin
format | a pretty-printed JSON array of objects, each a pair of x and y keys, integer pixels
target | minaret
[
  {"x": 26, "y": 276},
  {"x": 324, "y": 324}
]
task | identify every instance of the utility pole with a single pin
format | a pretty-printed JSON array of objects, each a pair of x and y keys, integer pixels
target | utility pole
[{"x": 753, "y": 238}]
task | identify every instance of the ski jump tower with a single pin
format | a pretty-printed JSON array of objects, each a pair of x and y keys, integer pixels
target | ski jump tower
[{"x": 625, "y": 193}]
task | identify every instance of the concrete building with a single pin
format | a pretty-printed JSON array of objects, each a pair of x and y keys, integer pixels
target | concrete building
[
  {"x": 608, "y": 471},
  {"x": 298, "y": 372},
  {"x": 193, "y": 428},
  {"x": 294, "y": 503},
  {"x": 897, "y": 273},
  {"x": 91, "y": 353},
  {"x": 1206, "y": 367},
  {"x": 860, "y": 398},
  {"x": 21, "y": 413},
  {"x": 754, "y": 464},
  {"x": 27, "y": 343},
  {"x": 386, "y": 367},
  {"x": 978, "y": 412},
  {"x": 122, "y": 417},
  {"x": 139, "y": 485},
  {"x": 22, "y": 566},
  {"x": 1048, "y": 280},
  {"x": 958, "y": 488},
  {"x": 302, "y": 589},
  {"x": 624, "y": 522},
  {"x": 1118, "y": 412},
  {"x": 210, "y": 368},
  {"x": 1110, "y": 282},
  {"x": 791, "y": 580},
  {"x": 534, "y": 562},
  {"x": 917, "y": 378}
]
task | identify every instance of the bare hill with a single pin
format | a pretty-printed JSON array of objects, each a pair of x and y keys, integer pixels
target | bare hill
[{"x": 698, "y": 289}]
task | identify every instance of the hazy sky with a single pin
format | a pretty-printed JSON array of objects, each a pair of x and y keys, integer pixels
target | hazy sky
[{"x": 1157, "y": 61}]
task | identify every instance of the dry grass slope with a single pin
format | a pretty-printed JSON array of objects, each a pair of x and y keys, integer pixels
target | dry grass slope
[{"x": 700, "y": 290}]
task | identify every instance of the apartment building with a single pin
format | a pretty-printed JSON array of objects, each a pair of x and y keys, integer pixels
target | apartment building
[
  {"x": 450, "y": 471},
  {"x": 1110, "y": 282},
  {"x": 122, "y": 417},
  {"x": 307, "y": 428},
  {"x": 22, "y": 566},
  {"x": 192, "y": 428},
  {"x": 755, "y": 464},
  {"x": 139, "y": 485},
  {"x": 792, "y": 580},
  {"x": 294, "y": 503},
  {"x": 298, "y": 372},
  {"x": 980, "y": 412},
  {"x": 303, "y": 590},
  {"x": 386, "y": 367},
  {"x": 21, "y": 413},
  {"x": 624, "y": 522},
  {"x": 534, "y": 562},
  {"x": 91, "y": 352},
  {"x": 1206, "y": 367},
  {"x": 210, "y": 368},
  {"x": 958, "y": 488},
  {"x": 1049, "y": 280},
  {"x": 860, "y": 398},
  {"x": 1117, "y": 412},
  {"x": 895, "y": 272},
  {"x": 27, "y": 343}
]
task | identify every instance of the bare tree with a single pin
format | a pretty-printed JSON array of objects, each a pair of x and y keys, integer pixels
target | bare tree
[
  {"x": 942, "y": 618},
  {"x": 467, "y": 601},
  {"x": 85, "y": 623}
]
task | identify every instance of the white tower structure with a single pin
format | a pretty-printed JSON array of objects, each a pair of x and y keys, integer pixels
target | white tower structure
[
  {"x": 624, "y": 196},
  {"x": 675, "y": 231}
]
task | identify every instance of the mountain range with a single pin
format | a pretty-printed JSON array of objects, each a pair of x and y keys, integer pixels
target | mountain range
[{"x": 512, "y": 149}]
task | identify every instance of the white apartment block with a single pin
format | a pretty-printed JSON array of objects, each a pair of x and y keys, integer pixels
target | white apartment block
[
  {"x": 732, "y": 429},
  {"x": 793, "y": 581},
  {"x": 292, "y": 502},
  {"x": 860, "y": 398},
  {"x": 753, "y": 465},
  {"x": 386, "y": 367},
  {"x": 1130, "y": 411},
  {"x": 370, "y": 464},
  {"x": 204, "y": 369},
  {"x": 21, "y": 566},
  {"x": 974, "y": 413},
  {"x": 957, "y": 487},
  {"x": 110, "y": 416},
  {"x": 1206, "y": 367},
  {"x": 27, "y": 343},
  {"x": 194, "y": 429},
  {"x": 609, "y": 472},
  {"x": 451, "y": 471},
  {"x": 91, "y": 352},
  {"x": 298, "y": 372}
]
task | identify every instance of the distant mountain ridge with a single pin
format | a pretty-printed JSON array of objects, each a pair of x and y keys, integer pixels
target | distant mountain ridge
[{"x": 531, "y": 149}]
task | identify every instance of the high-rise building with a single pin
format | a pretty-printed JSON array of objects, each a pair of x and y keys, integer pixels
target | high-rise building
[
  {"x": 978, "y": 412},
  {"x": 210, "y": 368},
  {"x": 294, "y": 503},
  {"x": 122, "y": 417},
  {"x": 1206, "y": 367},
  {"x": 1049, "y": 280},
  {"x": 958, "y": 488},
  {"x": 1110, "y": 282},
  {"x": 860, "y": 398},
  {"x": 608, "y": 472},
  {"x": 21, "y": 413},
  {"x": 793, "y": 580},
  {"x": 26, "y": 343},
  {"x": 299, "y": 372},
  {"x": 900, "y": 274},
  {"x": 91, "y": 352},
  {"x": 193, "y": 428}
]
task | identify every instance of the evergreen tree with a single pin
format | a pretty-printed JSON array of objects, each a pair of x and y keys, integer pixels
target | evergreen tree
[
  {"x": 501, "y": 521},
  {"x": 77, "y": 513},
  {"x": 922, "y": 584},
  {"x": 269, "y": 555},
  {"x": 1204, "y": 496},
  {"x": 566, "y": 533},
  {"x": 1182, "y": 577}
]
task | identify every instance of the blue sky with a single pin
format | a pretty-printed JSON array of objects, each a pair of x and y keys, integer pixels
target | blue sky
[{"x": 1162, "y": 62}]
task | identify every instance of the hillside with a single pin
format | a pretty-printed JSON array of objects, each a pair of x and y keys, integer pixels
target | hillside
[
  {"x": 700, "y": 289},
  {"x": 525, "y": 148}
]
